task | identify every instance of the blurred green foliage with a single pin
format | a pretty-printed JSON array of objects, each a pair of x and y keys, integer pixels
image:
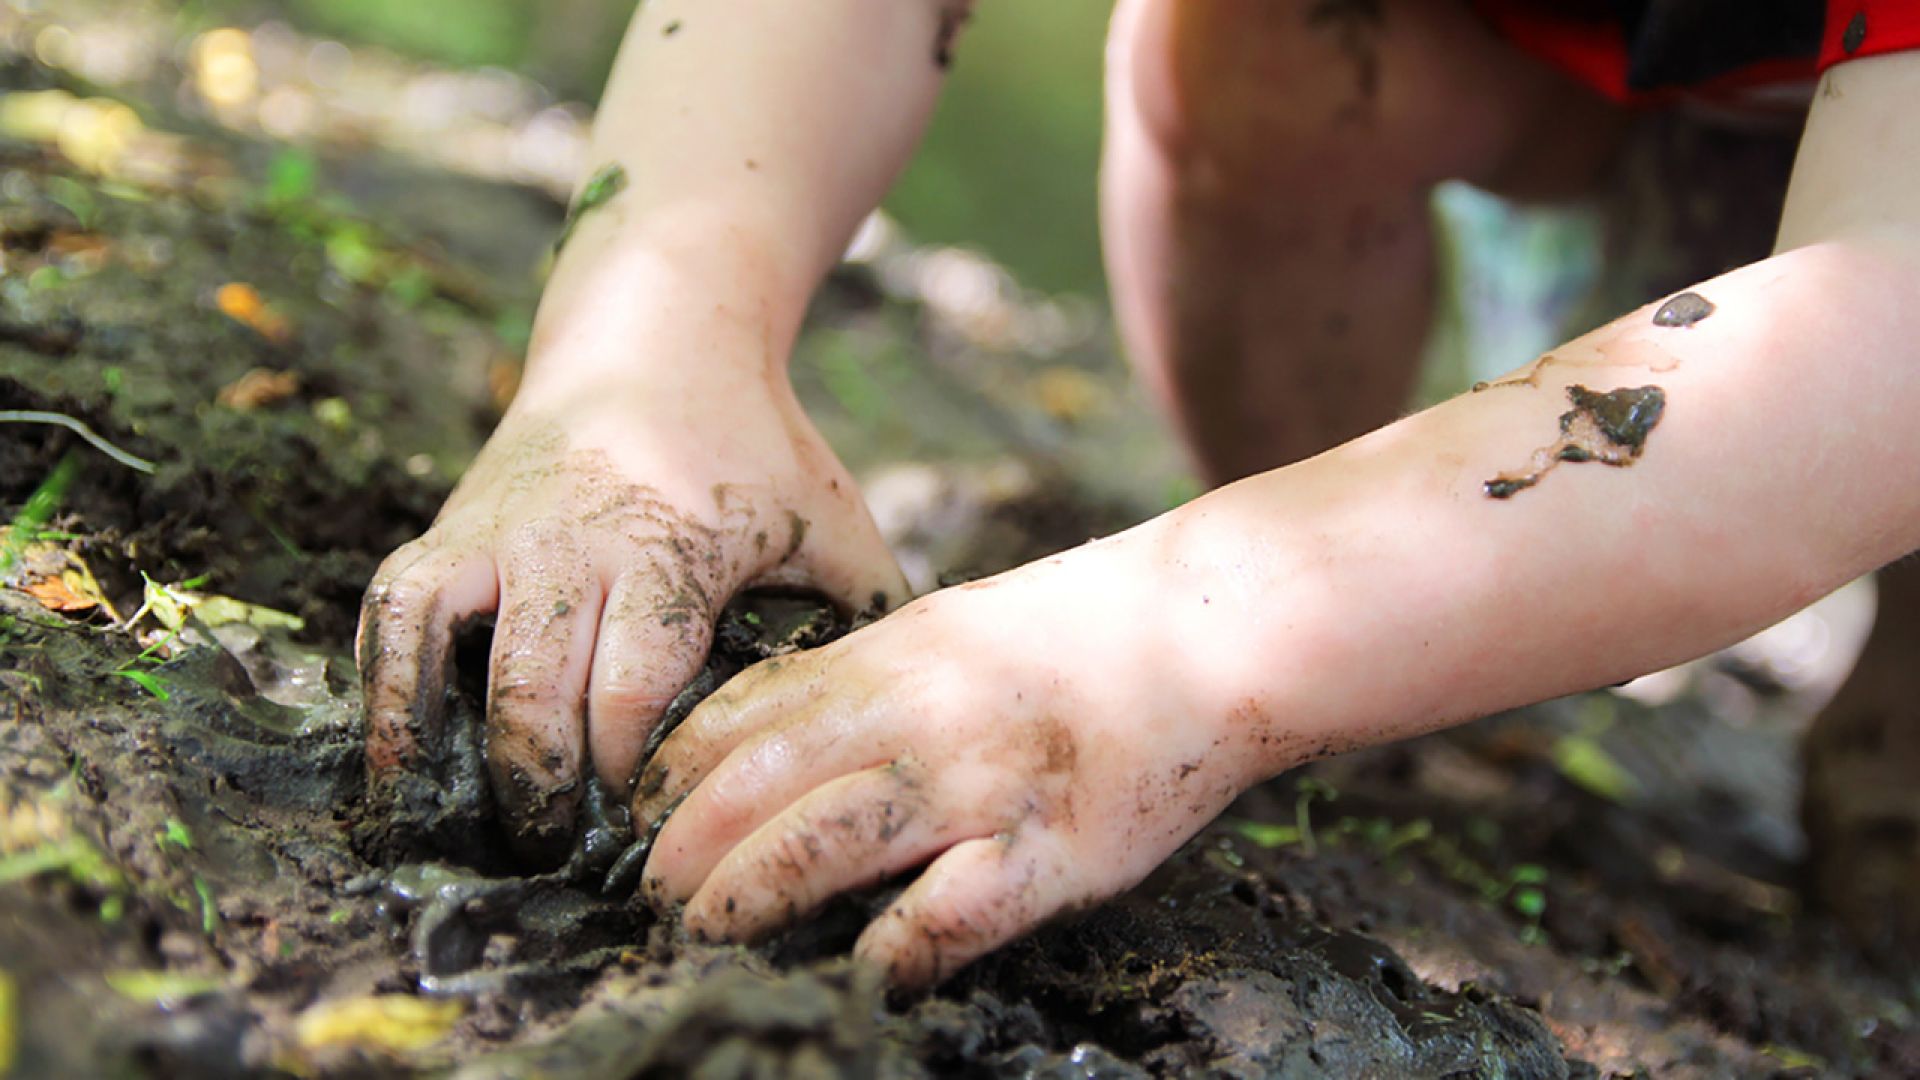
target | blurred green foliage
[
  {"x": 1007, "y": 167},
  {"x": 467, "y": 33}
]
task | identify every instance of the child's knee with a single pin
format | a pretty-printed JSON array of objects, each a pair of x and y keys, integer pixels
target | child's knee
[
  {"x": 1247, "y": 91},
  {"x": 1266, "y": 98}
]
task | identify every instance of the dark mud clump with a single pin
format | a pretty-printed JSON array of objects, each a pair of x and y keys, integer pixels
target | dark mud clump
[
  {"x": 953, "y": 18},
  {"x": 1683, "y": 310},
  {"x": 1609, "y": 428}
]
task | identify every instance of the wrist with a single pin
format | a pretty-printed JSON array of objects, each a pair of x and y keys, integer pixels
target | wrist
[
  {"x": 1282, "y": 613},
  {"x": 681, "y": 296}
]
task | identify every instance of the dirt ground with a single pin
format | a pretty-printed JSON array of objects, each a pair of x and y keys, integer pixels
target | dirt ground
[{"x": 190, "y": 885}]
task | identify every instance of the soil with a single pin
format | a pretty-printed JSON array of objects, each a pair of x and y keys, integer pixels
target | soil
[{"x": 191, "y": 883}]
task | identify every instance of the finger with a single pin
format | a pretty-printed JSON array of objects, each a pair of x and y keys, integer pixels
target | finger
[
  {"x": 750, "y": 703},
  {"x": 405, "y": 647},
  {"x": 838, "y": 550},
  {"x": 975, "y": 898},
  {"x": 536, "y": 689},
  {"x": 854, "y": 831},
  {"x": 767, "y": 772},
  {"x": 649, "y": 648}
]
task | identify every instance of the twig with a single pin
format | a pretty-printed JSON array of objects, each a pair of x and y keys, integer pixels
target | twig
[{"x": 34, "y": 416}]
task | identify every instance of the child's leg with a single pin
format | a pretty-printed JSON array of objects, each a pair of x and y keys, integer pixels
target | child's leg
[{"x": 1265, "y": 201}]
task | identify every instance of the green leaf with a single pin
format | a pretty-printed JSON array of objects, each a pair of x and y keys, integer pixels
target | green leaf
[
  {"x": 1530, "y": 902},
  {"x": 73, "y": 856},
  {"x": 1584, "y": 761},
  {"x": 1311, "y": 787},
  {"x": 292, "y": 176},
  {"x": 209, "y": 915},
  {"x": 151, "y": 683},
  {"x": 163, "y": 988},
  {"x": 1267, "y": 835},
  {"x": 177, "y": 834}
]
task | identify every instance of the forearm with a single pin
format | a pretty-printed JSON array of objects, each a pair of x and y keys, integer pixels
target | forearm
[
  {"x": 1388, "y": 593},
  {"x": 753, "y": 137}
]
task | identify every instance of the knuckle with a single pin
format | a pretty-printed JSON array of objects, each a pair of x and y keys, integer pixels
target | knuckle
[
  {"x": 962, "y": 920},
  {"x": 725, "y": 797},
  {"x": 792, "y": 855},
  {"x": 542, "y": 537},
  {"x": 974, "y": 911},
  {"x": 627, "y": 696},
  {"x": 400, "y": 592},
  {"x": 522, "y": 689}
]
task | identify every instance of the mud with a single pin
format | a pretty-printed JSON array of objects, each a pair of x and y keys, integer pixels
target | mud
[
  {"x": 1855, "y": 35},
  {"x": 191, "y": 878},
  {"x": 953, "y": 18},
  {"x": 1609, "y": 428},
  {"x": 1683, "y": 311}
]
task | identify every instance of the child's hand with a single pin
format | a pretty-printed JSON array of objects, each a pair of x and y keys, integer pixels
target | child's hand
[
  {"x": 1034, "y": 735},
  {"x": 607, "y": 529}
]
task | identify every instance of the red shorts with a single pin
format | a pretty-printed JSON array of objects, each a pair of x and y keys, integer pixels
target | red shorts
[{"x": 1650, "y": 52}]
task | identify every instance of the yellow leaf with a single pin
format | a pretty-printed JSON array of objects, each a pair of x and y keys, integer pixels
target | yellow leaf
[
  {"x": 70, "y": 588},
  {"x": 9, "y": 1023},
  {"x": 221, "y": 610},
  {"x": 394, "y": 1023},
  {"x": 243, "y": 303},
  {"x": 166, "y": 605},
  {"x": 163, "y": 988}
]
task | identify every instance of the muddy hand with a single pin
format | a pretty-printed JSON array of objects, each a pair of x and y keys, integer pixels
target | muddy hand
[
  {"x": 607, "y": 533},
  {"x": 1020, "y": 737}
]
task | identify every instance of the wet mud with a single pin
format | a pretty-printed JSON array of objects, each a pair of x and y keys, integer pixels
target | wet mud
[
  {"x": 1683, "y": 311},
  {"x": 1609, "y": 428},
  {"x": 193, "y": 880}
]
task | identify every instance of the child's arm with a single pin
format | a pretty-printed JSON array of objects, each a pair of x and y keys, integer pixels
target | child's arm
[
  {"x": 655, "y": 460},
  {"x": 1047, "y": 737}
]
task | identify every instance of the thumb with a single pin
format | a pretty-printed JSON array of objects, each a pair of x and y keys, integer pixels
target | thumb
[{"x": 838, "y": 550}]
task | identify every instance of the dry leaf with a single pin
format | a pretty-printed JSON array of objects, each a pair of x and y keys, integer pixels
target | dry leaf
[
  {"x": 258, "y": 388},
  {"x": 242, "y": 303},
  {"x": 392, "y": 1022},
  {"x": 59, "y": 594},
  {"x": 1067, "y": 394}
]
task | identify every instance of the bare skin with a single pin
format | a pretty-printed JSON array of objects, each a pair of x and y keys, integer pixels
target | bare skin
[
  {"x": 655, "y": 461},
  {"x": 1367, "y": 594},
  {"x": 1265, "y": 202},
  {"x": 1042, "y": 739}
]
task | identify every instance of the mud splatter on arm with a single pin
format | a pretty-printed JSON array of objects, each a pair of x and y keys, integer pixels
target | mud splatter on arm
[
  {"x": 953, "y": 17},
  {"x": 600, "y": 189},
  {"x": 1609, "y": 428},
  {"x": 1681, "y": 312}
]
